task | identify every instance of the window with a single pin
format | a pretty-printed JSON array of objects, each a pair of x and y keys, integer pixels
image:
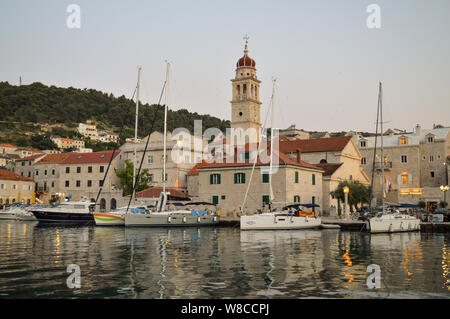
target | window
[
  {"x": 265, "y": 178},
  {"x": 29, "y": 174},
  {"x": 102, "y": 169},
  {"x": 14, "y": 186},
  {"x": 215, "y": 199},
  {"x": 78, "y": 183},
  {"x": 432, "y": 174},
  {"x": 224, "y": 197},
  {"x": 363, "y": 143},
  {"x": 53, "y": 171},
  {"x": 430, "y": 139},
  {"x": 89, "y": 183},
  {"x": 296, "y": 199},
  {"x": 363, "y": 161},
  {"x": 265, "y": 199},
  {"x": 214, "y": 179},
  {"x": 403, "y": 141},
  {"x": 163, "y": 177},
  {"x": 36, "y": 173},
  {"x": 21, "y": 173},
  {"x": 45, "y": 172},
  {"x": 53, "y": 184},
  {"x": 89, "y": 169},
  {"x": 150, "y": 159},
  {"x": 314, "y": 179},
  {"x": 67, "y": 183},
  {"x": 405, "y": 179},
  {"x": 296, "y": 177},
  {"x": 239, "y": 178},
  {"x": 150, "y": 178},
  {"x": 431, "y": 158},
  {"x": 100, "y": 183},
  {"x": 404, "y": 159},
  {"x": 67, "y": 170},
  {"x": 23, "y": 163},
  {"x": 78, "y": 170}
]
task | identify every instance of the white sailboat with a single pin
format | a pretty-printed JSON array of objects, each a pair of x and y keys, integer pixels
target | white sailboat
[
  {"x": 162, "y": 216},
  {"x": 275, "y": 220},
  {"x": 389, "y": 222},
  {"x": 117, "y": 217}
]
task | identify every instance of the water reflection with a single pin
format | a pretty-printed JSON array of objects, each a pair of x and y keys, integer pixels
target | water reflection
[{"x": 218, "y": 263}]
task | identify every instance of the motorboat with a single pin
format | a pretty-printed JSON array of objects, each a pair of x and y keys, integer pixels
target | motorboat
[
  {"x": 67, "y": 213},
  {"x": 393, "y": 222}
]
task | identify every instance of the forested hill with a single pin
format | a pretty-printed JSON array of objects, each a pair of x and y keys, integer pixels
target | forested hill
[{"x": 38, "y": 103}]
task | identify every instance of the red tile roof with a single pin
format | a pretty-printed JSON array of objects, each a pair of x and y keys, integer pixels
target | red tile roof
[
  {"x": 30, "y": 158},
  {"x": 85, "y": 158},
  {"x": 331, "y": 144},
  {"x": 66, "y": 139},
  {"x": 283, "y": 159},
  {"x": 10, "y": 176},
  {"x": 54, "y": 158},
  {"x": 8, "y": 145},
  {"x": 329, "y": 168},
  {"x": 154, "y": 192}
]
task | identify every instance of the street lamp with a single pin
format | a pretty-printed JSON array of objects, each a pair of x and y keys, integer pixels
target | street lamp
[
  {"x": 346, "y": 191},
  {"x": 444, "y": 189}
]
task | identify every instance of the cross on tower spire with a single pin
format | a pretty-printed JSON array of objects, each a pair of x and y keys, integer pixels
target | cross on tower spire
[{"x": 246, "y": 38}]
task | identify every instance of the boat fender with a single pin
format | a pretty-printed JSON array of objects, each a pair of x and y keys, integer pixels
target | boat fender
[
  {"x": 292, "y": 219},
  {"x": 184, "y": 219},
  {"x": 198, "y": 219},
  {"x": 215, "y": 218},
  {"x": 390, "y": 228},
  {"x": 169, "y": 219}
]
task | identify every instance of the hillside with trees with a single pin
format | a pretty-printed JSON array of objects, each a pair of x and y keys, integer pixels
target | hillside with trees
[{"x": 37, "y": 104}]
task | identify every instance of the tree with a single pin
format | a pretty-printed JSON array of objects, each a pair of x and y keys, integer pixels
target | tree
[
  {"x": 443, "y": 204},
  {"x": 43, "y": 142},
  {"x": 358, "y": 194},
  {"x": 422, "y": 204},
  {"x": 126, "y": 179}
]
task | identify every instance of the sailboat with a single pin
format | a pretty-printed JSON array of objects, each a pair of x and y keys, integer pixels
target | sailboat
[
  {"x": 180, "y": 215},
  {"x": 284, "y": 219},
  {"x": 384, "y": 221},
  {"x": 117, "y": 217}
]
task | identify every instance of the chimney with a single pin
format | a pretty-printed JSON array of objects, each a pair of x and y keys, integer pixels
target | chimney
[
  {"x": 418, "y": 130},
  {"x": 299, "y": 154}
]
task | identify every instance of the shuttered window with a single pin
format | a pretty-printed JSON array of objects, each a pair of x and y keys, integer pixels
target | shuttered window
[
  {"x": 214, "y": 179},
  {"x": 239, "y": 178},
  {"x": 265, "y": 178},
  {"x": 265, "y": 199},
  {"x": 296, "y": 177},
  {"x": 314, "y": 179}
]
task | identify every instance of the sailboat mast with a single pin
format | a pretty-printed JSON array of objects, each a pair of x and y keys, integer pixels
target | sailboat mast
[
  {"x": 382, "y": 150},
  {"x": 136, "y": 129},
  {"x": 166, "y": 105},
  {"x": 272, "y": 140}
]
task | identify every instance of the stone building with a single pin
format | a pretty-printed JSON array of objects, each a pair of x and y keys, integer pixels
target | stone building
[
  {"x": 225, "y": 184},
  {"x": 182, "y": 154},
  {"x": 414, "y": 165},
  {"x": 340, "y": 159},
  {"x": 78, "y": 175},
  {"x": 25, "y": 166},
  {"x": 15, "y": 188},
  {"x": 64, "y": 143}
]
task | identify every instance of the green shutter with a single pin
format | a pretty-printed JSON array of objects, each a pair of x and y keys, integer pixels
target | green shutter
[
  {"x": 215, "y": 199},
  {"x": 211, "y": 178},
  {"x": 265, "y": 178},
  {"x": 265, "y": 199},
  {"x": 218, "y": 178},
  {"x": 314, "y": 179},
  {"x": 296, "y": 177},
  {"x": 235, "y": 178},
  {"x": 243, "y": 178}
]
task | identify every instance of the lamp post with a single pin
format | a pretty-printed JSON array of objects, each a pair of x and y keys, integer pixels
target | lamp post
[
  {"x": 444, "y": 189},
  {"x": 346, "y": 191}
]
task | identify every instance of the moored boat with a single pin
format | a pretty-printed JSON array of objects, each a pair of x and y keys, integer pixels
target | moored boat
[{"x": 66, "y": 213}]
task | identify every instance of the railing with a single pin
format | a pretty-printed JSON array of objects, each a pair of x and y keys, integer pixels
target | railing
[{"x": 387, "y": 165}]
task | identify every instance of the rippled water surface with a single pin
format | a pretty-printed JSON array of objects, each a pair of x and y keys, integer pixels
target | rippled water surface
[{"x": 218, "y": 263}]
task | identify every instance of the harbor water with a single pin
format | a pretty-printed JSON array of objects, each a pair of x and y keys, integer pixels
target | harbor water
[{"x": 218, "y": 263}]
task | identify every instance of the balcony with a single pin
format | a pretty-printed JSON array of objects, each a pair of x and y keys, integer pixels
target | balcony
[{"x": 387, "y": 166}]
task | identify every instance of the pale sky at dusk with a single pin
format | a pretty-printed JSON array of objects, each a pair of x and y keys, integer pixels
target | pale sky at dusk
[{"x": 327, "y": 62}]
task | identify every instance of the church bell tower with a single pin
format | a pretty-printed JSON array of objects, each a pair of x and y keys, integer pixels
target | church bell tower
[{"x": 245, "y": 104}]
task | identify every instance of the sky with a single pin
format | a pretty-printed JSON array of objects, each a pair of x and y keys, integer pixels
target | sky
[{"x": 326, "y": 60}]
